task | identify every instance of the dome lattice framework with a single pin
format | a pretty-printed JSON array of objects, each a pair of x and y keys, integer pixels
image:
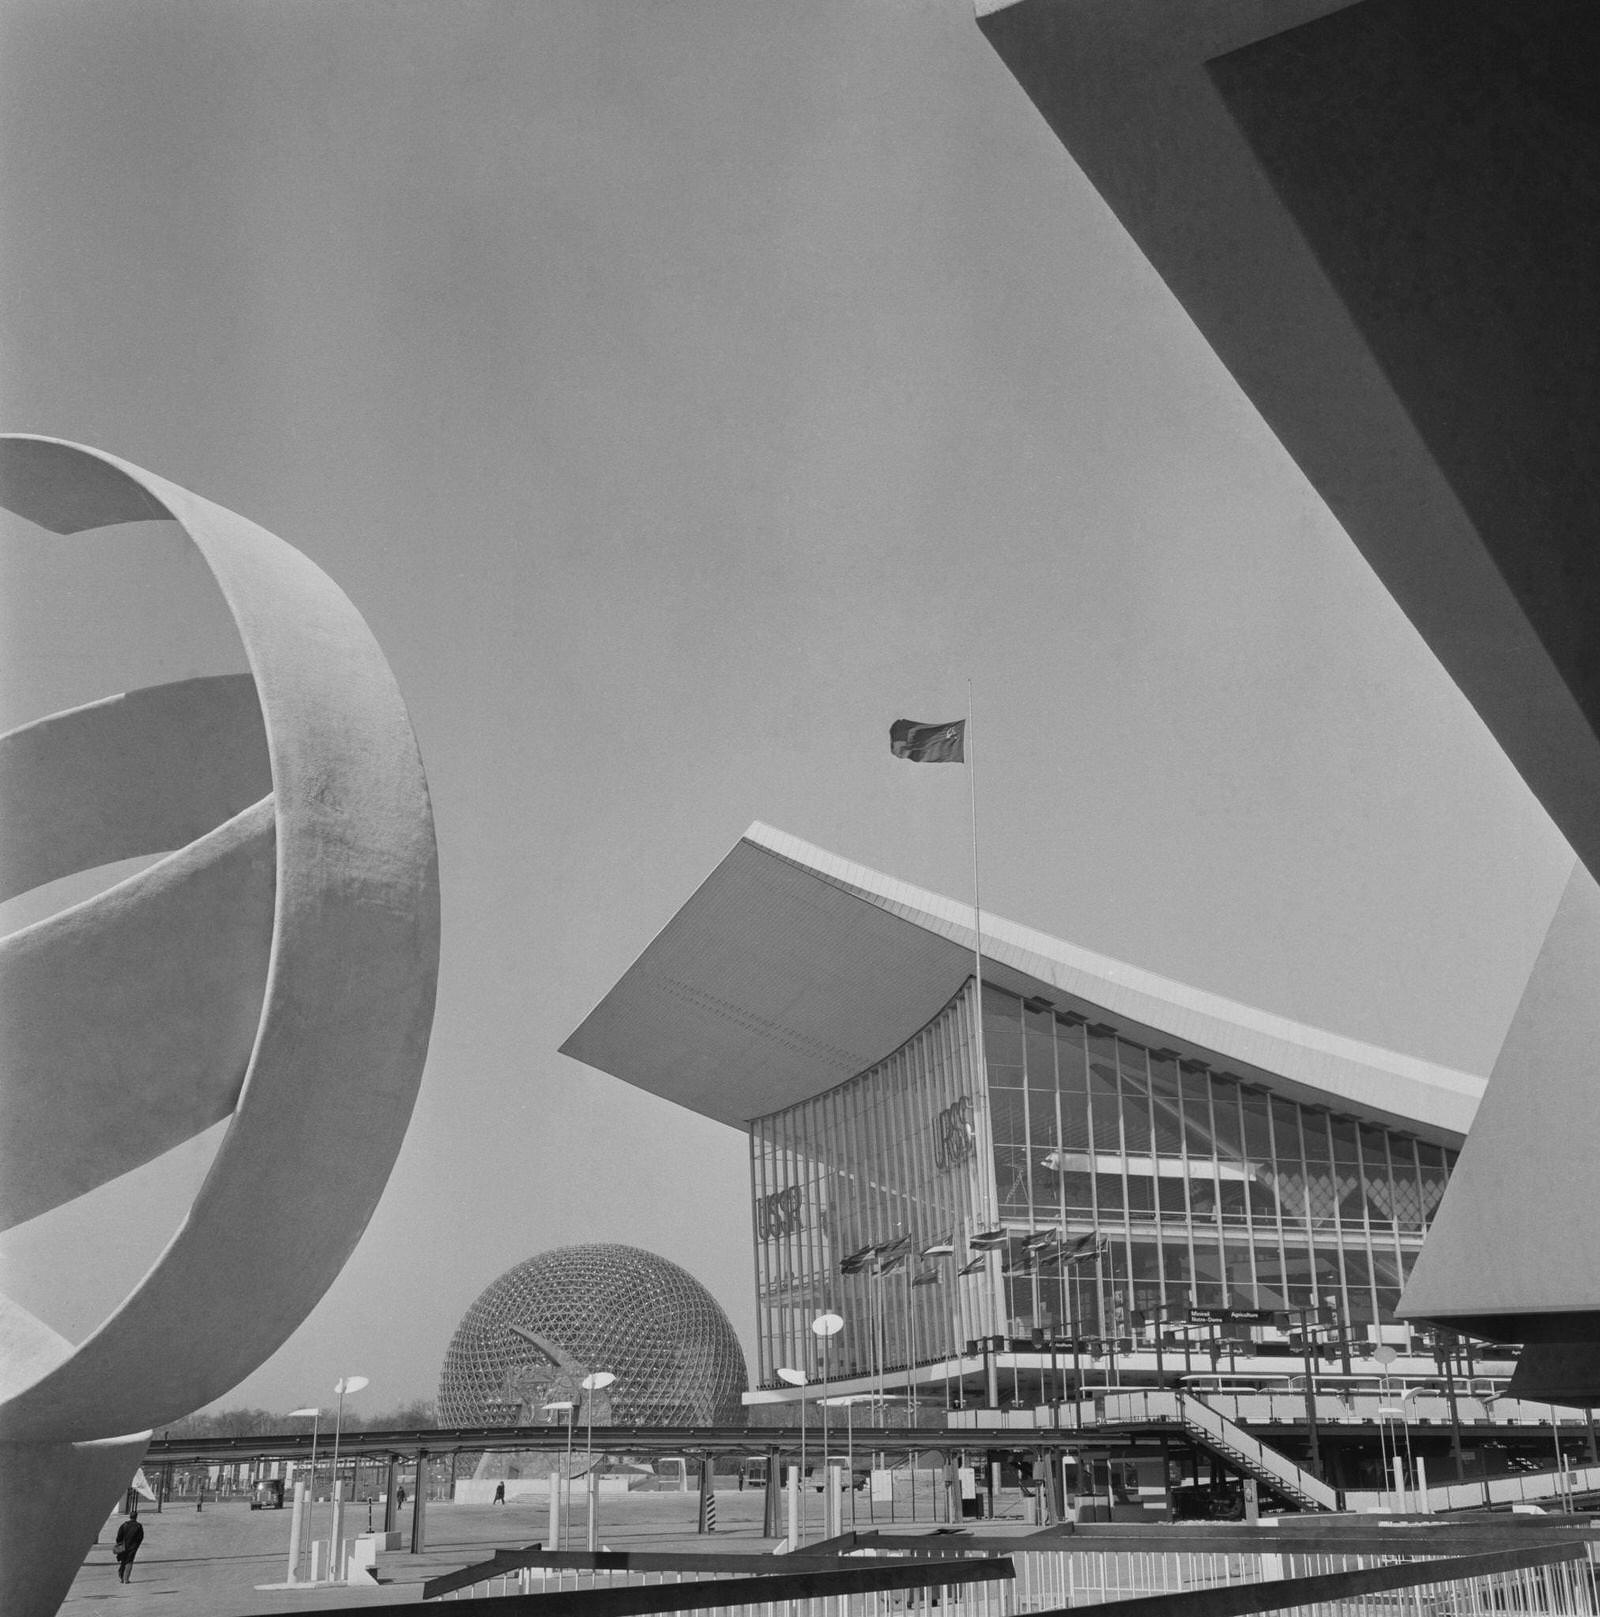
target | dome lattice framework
[{"x": 537, "y": 1331}]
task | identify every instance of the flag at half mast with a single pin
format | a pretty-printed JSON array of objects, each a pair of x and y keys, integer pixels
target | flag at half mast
[{"x": 928, "y": 743}]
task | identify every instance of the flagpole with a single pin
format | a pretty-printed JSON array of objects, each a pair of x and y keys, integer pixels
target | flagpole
[{"x": 977, "y": 906}]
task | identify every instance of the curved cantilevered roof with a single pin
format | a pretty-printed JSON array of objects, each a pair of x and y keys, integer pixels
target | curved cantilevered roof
[{"x": 790, "y": 970}]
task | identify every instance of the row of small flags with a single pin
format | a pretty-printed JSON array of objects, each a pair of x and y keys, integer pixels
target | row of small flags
[{"x": 888, "y": 1257}]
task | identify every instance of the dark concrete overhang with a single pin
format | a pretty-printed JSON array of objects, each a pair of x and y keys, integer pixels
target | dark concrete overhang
[{"x": 1381, "y": 216}]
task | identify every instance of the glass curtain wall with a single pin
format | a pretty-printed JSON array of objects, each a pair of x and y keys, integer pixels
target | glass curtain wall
[
  {"x": 1166, "y": 1182},
  {"x": 852, "y": 1188},
  {"x": 1203, "y": 1189}
]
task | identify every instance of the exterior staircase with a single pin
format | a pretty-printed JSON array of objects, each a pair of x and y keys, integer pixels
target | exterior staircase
[{"x": 1214, "y": 1431}]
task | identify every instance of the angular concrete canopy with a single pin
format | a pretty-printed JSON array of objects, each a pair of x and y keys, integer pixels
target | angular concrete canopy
[
  {"x": 1512, "y": 1254},
  {"x": 276, "y": 968},
  {"x": 1381, "y": 217},
  {"x": 789, "y": 970}
]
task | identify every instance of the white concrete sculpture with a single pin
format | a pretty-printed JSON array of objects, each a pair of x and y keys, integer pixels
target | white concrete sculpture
[{"x": 276, "y": 967}]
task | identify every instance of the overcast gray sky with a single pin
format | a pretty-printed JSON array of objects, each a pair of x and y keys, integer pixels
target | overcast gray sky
[{"x": 683, "y": 391}]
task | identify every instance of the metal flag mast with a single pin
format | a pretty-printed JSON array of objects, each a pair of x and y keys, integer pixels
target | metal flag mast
[
  {"x": 977, "y": 906},
  {"x": 992, "y": 1213}
]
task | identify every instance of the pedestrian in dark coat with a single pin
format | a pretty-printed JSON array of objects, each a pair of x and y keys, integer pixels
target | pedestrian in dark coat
[{"x": 130, "y": 1535}]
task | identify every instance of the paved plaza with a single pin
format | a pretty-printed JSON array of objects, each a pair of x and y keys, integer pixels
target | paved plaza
[{"x": 211, "y": 1563}]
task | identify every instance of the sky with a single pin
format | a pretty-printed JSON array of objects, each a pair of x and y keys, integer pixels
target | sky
[{"x": 683, "y": 391}]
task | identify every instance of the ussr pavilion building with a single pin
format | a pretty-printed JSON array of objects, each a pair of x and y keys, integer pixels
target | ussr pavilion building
[{"x": 1129, "y": 1151}]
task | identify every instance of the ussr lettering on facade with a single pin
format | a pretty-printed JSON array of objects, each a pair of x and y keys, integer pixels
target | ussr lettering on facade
[{"x": 780, "y": 1213}]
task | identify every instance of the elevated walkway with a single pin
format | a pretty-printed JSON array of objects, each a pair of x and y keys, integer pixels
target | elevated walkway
[{"x": 1487, "y": 1493}]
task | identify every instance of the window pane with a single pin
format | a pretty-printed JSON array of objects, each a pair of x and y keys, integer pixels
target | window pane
[
  {"x": 1175, "y": 1254},
  {"x": 1104, "y": 1108},
  {"x": 1070, "y": 1058},
  {"x": 1314, "y": 1135},
  {"x": 1042, "y": 1118},
  {"x": 1040, "y": 1050},
  {"x": 1135, "y": 1099},
  {"x": 1074, "y": 1121},
  {"x": 1006, "y": 1115},
  {"x": 1164, "y": 1098},
  {"x": 1225, "y": 1118},
  {"x": 1108, "y": 1186},
  {"x": 1197, "y": 1112},
  {"x": 1257, "y": 1133}
]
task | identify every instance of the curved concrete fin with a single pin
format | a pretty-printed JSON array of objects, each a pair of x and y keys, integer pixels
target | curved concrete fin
[
  {"x": 28, "y": 1347},
  {"x": 127, "y": 1021},
  {"x": 54, "y": 1499},
  {"x": 350, "y": 981},
  {"x": 141, "y": 773},
  {"x": 58, "y": 487},
  {"x": 1510, "y": 1254}
]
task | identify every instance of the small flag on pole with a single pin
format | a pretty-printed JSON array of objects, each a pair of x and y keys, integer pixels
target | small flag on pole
[{"x": 928, "y": 743}]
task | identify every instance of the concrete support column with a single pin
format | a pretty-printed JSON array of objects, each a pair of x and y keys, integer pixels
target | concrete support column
[
  {"x": 794, "y": 1507},
  {"x": 391, "y": 1505},
  {"x": 419, "y": 1506},
  {"x": 770, "y": 1509}
]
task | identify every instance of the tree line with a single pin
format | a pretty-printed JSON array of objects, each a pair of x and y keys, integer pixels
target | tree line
[{"x": 272, "y": 1423}]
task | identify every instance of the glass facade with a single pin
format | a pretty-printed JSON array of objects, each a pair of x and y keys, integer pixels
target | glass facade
[
  {"x": 896, "y": 1159},
  {"x": 1176, "y": 1182}
]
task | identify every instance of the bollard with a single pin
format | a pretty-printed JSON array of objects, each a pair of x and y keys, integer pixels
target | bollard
[
  {"x": 831, "y": 1525},
  {"x": 296, "y": 1527},
  {"x": 336, "y": 1538},
  {"x": 708, "y": 1495}
]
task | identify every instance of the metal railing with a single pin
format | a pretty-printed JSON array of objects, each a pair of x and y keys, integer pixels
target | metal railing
[
  {"x": 1554, "y": 1577},
  {"x": 836, "y": 1587}
]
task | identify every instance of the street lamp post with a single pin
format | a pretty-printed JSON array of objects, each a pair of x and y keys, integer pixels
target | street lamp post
[
  {"x": 825, "y": 1327},
  {"x": 566, "y": 1490},
  {"x": 797, "y": 1378},
  {"x": 591, "y": 1384},
  {"x": 311, "y": 1502},
  {"x": 345, "y": 1384},
  {"x": 850, "y": 1400}
]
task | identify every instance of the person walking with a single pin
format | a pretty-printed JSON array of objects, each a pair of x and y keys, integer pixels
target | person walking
[
  {"x": 500, "y": 1493},
  {"x": 130, "y": 1535}
]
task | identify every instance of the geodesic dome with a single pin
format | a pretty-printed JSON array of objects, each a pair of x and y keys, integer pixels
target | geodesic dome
[{"x": 537, "y": 1331}]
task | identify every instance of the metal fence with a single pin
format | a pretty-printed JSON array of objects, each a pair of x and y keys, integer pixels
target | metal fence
[{"x": 1549, "y": 1579}]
